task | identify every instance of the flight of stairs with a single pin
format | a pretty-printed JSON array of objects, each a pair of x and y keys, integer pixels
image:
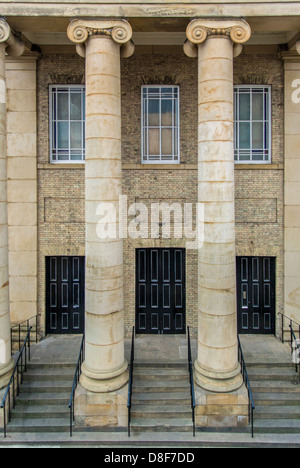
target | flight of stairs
[
  {"x": 42, "y": 405},
  {"x": 161, "y": 398},
  {"x": 276, "y": 391}
]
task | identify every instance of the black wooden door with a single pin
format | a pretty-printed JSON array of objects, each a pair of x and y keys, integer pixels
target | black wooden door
[
  {"x": 256, "y": 295},
  {"x": 160, "y": 291},
  {"x": 65, "y": 295}
]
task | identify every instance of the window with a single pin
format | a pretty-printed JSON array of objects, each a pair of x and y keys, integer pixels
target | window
[
  {"x": 252, "y": 124},
  {"x": 67, "y": 123},
  {"x": 160, "y": 124}
]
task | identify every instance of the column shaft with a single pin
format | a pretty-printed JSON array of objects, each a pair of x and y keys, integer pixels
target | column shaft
[
  {"x": 212, "y": 41},
  {"x": 105, "y": 367},
  {"x": 217, "y": 365},
  {"x": 6, "y": 362}
]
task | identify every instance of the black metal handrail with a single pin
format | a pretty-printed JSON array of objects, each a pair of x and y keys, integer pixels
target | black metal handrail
[
  {"x": 293, "y": 341},
  {"x": 190, "y": 362},
  {"x": 16, "y": 380},
  {"x": 130, "y": 386},
  {"x": 75, "y": 383},
  {"x": 19, "y": 327},
  {"x": 248, "y": 386},
  {"x": 292, "y": 323}
]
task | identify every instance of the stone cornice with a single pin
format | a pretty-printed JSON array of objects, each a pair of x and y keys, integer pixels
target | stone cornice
[{"x": 14, "y": 46}]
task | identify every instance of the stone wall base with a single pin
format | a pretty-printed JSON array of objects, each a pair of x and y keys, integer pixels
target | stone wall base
[
  {"x": 101, "y": 409},
  {"x": 222, "y": 410}
]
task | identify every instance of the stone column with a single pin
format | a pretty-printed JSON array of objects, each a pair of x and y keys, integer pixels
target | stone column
[
  {"x": 217, "y": 368},
  {"x": 102, "y": 43},
  {"x": 11, "y": 45}
]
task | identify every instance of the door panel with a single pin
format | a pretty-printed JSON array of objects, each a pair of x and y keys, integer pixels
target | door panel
[
  {"x": 65, "y": 295},
  {"x": 256, "y": 295},
  {"x": 160, "y": 291}
]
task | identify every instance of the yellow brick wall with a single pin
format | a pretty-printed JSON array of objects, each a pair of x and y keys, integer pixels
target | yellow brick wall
[{"x": 259, "y": 225}]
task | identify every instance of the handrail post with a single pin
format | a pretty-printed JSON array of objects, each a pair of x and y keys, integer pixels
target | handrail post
[{"x": 130, "y": 384}]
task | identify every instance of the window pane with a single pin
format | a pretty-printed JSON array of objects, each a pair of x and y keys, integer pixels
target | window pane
[
  {"x": 153, "y": 112},
  {"x": 153, "y": 136},
  {"x": 258, "y": 106},
  {"x": 244, "y": 108},
  {"x": 244, "y": 136},
  {"x": 63, "y": 135},
  {"x": 62, "y": 106},
  {"x": 166, "y": 113},
  {"x": 75, "y": 135},
  {"x": 257, "y": 135},
  {"x": 166, "y": 141},
  {"x": 75, "y": 106}
]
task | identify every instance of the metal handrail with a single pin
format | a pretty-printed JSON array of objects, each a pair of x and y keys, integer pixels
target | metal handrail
[
  {"x": 16, "y": 380},
  {"x": 75, "y": 383},
  {"x": 291, "y": 322},
  {"x": 248, "y": 386},
  {"x": 294, "y": 342},
  {"x": 190, "y": 362},
  {"x": 130, "y": 386},
  {"x": 19, "y": 326}
]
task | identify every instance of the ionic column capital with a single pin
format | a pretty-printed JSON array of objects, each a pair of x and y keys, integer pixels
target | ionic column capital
[
  {"x": 199, "y": 30},
  {"x": 120, "y": 31},
  {"x": 15, "y": 46}
]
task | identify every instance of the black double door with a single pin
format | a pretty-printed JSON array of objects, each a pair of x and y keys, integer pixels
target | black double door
[
  {"x": 65, "y": 295},
  {"x": 160, "y": 291},
  {"x": 256, "y": 295}
]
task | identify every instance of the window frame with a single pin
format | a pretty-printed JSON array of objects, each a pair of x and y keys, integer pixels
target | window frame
[
  {"x": 53, "y": 89},
  {"x": 144, "y": 127},
  {"x": 266, "y": 121}
]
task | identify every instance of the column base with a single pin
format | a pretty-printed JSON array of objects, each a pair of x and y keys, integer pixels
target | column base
[
  {"x": 218, "y": 382},
  {"x": 222, "y": 410},
  {"x": 101, "y": 410},
  {"x": 5, "y": 373},
  {"x": 104, "y": 382}
]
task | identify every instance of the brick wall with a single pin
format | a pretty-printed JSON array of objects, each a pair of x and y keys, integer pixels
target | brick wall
[{"x": 259, "y": 224}]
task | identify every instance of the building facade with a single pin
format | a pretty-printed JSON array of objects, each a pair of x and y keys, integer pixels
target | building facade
[{"x": 150, "y": 178}]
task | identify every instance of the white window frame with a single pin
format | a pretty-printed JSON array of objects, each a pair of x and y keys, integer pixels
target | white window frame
[
  {"x": 54, "y": 150},
  {"x": 267, "y": 149},
  {"x": 174, "y": 158}
]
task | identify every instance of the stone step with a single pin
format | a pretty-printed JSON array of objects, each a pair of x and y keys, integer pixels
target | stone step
[
  {"x": 278, "y": 399},
  {"x": 277, "y": 412},
  {"x": 162, "y": 425},
  {"x": 160, "y": 386},
  {"x": 161, "y": 374},
  {"x": 161, "y": 411},
  {"x": 43, "y": 398},
  {"x": 272, "y": 374},
  {"x": 274, "y": 387},
  {"x": 40, "y": 411},
  {"x": 46, "y": 386},
  {"x": 39, "y": 425},
  {"x": 275, "y": 426},
  {"x": 176, "y": 398},
  {"x": 54, "y": 374}
]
